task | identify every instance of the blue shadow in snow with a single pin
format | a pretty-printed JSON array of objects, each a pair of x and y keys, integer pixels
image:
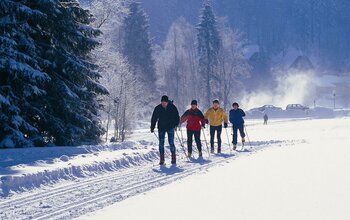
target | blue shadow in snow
[
  {"x": 8, "y": 171},
  {"x": 168, "y": 170},
  {"x": 245, "y": 150},
  {"x": 199, "y": 160},
  {"x": 224, "y": 155}
]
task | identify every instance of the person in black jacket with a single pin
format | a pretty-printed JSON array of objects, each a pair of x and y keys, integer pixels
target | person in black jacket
[
  {"x": 236, "y": 118},
  {"x": 266, "y": 118},
  {"x": 167, "y": 116}
]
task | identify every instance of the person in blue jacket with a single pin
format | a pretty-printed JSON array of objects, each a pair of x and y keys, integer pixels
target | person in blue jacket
[{"x": 236, "y": 118}]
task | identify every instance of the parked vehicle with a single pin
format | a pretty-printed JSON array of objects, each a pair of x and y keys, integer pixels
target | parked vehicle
[
  {"x": 266, "y": 107},
  {"x": 297, "y": 107}
]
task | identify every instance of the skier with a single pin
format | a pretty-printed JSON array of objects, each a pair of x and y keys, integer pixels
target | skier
[
  {"x": 215, "y": 116},
  {"x": 167, "y": 116},
  {"x": 195, "y": 120},
  {"x": 236, "y": 118},
  {"x": 266, "y": 118}
]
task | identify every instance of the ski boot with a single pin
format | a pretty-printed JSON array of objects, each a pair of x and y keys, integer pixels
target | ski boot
[
  {"x": 243, "y": 140},
  {"x": 234, "y": 147},
  {"x": 212, "y": 150},
  {"x": 173, "y": 158},
  {"x": 219, "y": 150},
  {"x": 200, "y": 154},
  {"x": 189, "y": 154},
  {"x": 161, "y": 159}
]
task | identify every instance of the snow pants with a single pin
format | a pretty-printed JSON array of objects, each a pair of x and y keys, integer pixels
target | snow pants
[
  {"x": 197, "y": 137},
  {"x": 235, "y": 128},
  {"x": 218, "y": 130},
  {"x": 171, "y": 136}
]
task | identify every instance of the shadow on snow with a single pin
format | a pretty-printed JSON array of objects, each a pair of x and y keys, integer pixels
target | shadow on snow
[{"x": 168, "y": 170}]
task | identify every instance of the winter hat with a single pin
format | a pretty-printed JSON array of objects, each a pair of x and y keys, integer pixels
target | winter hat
[
  {"x": 194, "y": 102},
  {"x": 165, "y": 98},
  {"x": 216, "y": 101},
  {"x": 235, "y": 103}
]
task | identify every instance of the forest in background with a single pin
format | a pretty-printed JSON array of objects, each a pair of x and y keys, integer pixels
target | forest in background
[{"x": 74, "y": 71}]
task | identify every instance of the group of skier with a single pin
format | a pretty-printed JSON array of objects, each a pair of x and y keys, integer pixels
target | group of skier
[{"x": 167, "y": 117}]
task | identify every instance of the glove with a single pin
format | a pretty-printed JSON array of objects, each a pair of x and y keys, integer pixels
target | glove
[
  {"x": 225, "y": 125},
  {"x": 206, "y": 121},
  {"x": 152, "y": 130},
  {"x": 203, "y": 125}
]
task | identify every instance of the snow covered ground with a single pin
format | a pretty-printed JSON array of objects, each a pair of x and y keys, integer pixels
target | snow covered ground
[
  {"x": 31, "y": 168},
  {"x": 308, "y": 180},
  {"x": 293, "y": 169}
]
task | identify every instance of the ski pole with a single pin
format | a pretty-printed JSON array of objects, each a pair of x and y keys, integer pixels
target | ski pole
[
  {"x": 157, "y": 139},
  {"x": 206, "y": 143},
  {"x": 228, "y": 139},
  {"x": 245, "y": 128},
  {"x": 182, "y": 137},
  {"x": 156, "y": 135},
  {"x": 182, "y": 146}
]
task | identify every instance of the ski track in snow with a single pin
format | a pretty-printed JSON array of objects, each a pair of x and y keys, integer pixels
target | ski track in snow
[{"x": 90, "y": 194}]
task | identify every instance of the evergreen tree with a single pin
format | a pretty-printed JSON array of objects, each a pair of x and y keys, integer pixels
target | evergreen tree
[
  {"x": 208, "y": 50},
  {"x": 137, "y": 47},
  {"x": 48, "y": 87},
  {"x": 21, "y": 81}
]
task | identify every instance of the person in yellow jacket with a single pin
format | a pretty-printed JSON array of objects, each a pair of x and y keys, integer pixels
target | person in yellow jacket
[{"x": 215, "y": 116}]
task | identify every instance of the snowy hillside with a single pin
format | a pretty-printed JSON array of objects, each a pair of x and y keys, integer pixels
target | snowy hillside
[{"x": 317, "y": 112}]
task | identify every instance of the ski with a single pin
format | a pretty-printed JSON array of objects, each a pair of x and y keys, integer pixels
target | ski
[{"x": 182, "y": 146}]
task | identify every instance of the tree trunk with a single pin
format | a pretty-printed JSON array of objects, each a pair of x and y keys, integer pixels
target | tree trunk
[{"x": 108, "y": 120}]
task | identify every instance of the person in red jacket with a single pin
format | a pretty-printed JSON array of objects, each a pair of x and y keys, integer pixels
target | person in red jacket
[{"x": 195, "y": 121}]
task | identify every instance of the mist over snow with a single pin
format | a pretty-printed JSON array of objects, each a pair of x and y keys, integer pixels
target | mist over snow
[{"x": 292, "y": 87}]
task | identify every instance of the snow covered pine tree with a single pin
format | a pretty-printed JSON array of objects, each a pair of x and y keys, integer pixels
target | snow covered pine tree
[
  {"x": 208, "y": 51},
  {"x": 48, "y": 87},
  {"x": 137, "y": 46}
]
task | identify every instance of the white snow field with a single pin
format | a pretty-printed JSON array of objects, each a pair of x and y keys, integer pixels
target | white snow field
[
  {"x": 308, "y": 180},
  {"x": 294, "y": 169}
]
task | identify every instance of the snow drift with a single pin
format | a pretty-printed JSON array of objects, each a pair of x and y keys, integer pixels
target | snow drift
[{"x": 25, "y": 169}]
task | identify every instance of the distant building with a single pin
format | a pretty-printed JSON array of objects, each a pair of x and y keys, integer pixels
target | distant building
[{"x": 302, "y": 63}]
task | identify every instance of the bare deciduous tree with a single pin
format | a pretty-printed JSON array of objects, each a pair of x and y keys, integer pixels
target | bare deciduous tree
[{"x": 233, "y": 66}]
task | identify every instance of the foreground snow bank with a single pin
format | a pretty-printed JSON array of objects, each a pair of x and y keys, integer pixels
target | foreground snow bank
[{"x": 24, "y": 169}]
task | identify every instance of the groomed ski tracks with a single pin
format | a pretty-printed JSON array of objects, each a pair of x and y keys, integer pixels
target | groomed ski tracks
[
  {"x": 88, "y": 195},
  {"x": 72, "y": 200}
]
